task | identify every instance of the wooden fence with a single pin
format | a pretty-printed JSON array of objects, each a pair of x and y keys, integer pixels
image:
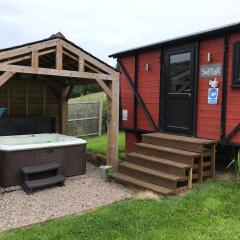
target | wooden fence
[{"x": 85, "y": 118}]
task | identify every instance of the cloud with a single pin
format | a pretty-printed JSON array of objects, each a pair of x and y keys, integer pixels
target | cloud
[{"x": 107, "y": 26}]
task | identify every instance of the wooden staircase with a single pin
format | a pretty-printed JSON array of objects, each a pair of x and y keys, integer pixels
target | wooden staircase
[{"x": 166, "y": 163}]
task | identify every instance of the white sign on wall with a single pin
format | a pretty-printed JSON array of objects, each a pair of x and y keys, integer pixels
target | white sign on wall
[{"x": 124, "y": 115}]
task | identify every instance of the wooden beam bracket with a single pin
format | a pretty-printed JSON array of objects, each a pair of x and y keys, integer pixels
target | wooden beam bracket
[
  {"x": 5, "y": 77},
  {"x": 69, "y": 92},
  {"x": 105, "y": 88}
]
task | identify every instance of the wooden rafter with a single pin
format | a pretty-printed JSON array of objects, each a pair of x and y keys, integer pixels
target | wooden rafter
[
  {"x": 88, "y": 58},
  {"x": 27, "y": 49},
  {"x": 19, "y": 59},
  {"x": 5, "y": 77},
  {"x": 70, "y": 55},
  {"x": 85, "y": 63}
]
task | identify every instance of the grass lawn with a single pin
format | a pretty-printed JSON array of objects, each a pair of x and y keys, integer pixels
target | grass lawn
[
  {"x": 91, "y": 96},
  {"x": 99, "y": 145},
  {"x": 209, "y": 212}
]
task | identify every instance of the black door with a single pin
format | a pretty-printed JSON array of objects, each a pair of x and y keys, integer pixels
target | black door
[{"x": 178, "y": 90}]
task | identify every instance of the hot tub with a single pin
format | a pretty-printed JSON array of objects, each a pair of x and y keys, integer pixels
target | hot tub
[{"x": 26, "y": 150}]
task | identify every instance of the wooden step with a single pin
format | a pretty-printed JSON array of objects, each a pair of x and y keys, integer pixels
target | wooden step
[
  {"x": 173, "y": 154},
  {"x": 147, "y": 174},
  {"x": 29, "y": 186},
  {"x": 40, "y": 168},
  {"x": 157, "y": 163},
  {"x": 122, "y": 178},
  {"x": 176, "y": 141}
]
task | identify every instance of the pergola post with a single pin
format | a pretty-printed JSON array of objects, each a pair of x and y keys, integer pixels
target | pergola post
[
  {"x": 113, "y": 130},
  {"x": 64, "y": 111}
]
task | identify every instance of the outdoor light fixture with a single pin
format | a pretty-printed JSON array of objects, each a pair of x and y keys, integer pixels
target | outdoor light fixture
[
  {"x": 209, "y": 57},
  {"x": 147, "y": 67}
]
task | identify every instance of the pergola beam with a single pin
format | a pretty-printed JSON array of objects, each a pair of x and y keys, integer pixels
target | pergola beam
[{"x": 54, "y": 72}]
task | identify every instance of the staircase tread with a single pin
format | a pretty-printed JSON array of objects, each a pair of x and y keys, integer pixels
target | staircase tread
[
  {"x": 45, "y": 181},
  {"x": 151, "y": 171},
  {"x": 169, "y": 149},
  {"x": 143, "y": 184},
  {"x": 194, "y": 140},
  {"x": 159, "y": 160},
  {"x": 40, "y": 168}
]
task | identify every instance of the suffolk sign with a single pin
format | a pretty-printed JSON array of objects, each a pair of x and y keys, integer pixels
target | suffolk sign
[{"x": 211, "y": 70}]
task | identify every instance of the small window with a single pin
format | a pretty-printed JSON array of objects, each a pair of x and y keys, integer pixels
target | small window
[
  {"x": 236, "y": 64},
  {"x": 180, "y": 74}
]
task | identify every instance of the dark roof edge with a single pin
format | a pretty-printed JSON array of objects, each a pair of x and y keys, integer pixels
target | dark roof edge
[
  {"x": 59, "y": 36},
  {"x": 188, "y": 37}
]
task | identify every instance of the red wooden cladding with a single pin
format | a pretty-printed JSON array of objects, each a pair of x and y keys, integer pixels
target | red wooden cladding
[
  {"x": 208, "y": 124},
  {"x": 148, "y": 87},
  {"x": 127, "y": 95},
  {"x": 233, "y": 94}
]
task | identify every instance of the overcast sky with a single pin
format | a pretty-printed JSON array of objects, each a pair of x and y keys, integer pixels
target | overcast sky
[{"x": 103, "y": 27}]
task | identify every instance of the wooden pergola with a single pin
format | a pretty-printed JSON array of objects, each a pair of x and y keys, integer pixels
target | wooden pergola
[{"x": 57, "y": 57}]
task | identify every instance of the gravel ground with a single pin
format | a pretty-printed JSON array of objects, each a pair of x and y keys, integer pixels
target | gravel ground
[{"x": 80, "y": 193}]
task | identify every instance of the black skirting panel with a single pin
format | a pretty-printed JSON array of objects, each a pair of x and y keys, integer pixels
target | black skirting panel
[{"x": 26, "y": 125}]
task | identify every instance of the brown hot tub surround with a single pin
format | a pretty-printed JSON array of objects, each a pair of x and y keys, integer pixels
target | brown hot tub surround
[{"x": 20, "y": 151}]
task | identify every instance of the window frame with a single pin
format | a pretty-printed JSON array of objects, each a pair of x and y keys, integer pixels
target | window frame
[{"x": 236, "y": 65}]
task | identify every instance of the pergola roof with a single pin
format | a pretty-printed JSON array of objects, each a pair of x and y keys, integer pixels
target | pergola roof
[
  {"x": 55, "y": 56},
  {"x": 58, "y": 35}
]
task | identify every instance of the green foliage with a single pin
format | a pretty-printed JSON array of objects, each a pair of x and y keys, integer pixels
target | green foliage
[
  {"x": 99, "y": 145},
  {"x": 209, "y": 212},
  {"x": 109, "y": 174},
  {"x": 236, "y": 162},
  {"x": 85, "y": 89}
]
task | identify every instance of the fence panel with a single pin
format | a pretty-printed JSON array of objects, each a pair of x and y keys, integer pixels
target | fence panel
[{"x": 85, "y": 118}]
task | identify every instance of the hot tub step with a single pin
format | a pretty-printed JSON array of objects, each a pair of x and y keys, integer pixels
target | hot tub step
[
  {"x": 29, "y": 186},
  {"x": 40, "y": 168}
]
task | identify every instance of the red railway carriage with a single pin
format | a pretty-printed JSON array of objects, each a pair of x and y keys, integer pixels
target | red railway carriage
[{"x": 186, "y": 86}]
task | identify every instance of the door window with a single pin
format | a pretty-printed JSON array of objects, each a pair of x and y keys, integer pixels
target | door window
[{"x": 179, "y": 69}]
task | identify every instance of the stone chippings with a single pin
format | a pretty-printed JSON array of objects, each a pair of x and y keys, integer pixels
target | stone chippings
[{"x": 80, "y": 193}]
